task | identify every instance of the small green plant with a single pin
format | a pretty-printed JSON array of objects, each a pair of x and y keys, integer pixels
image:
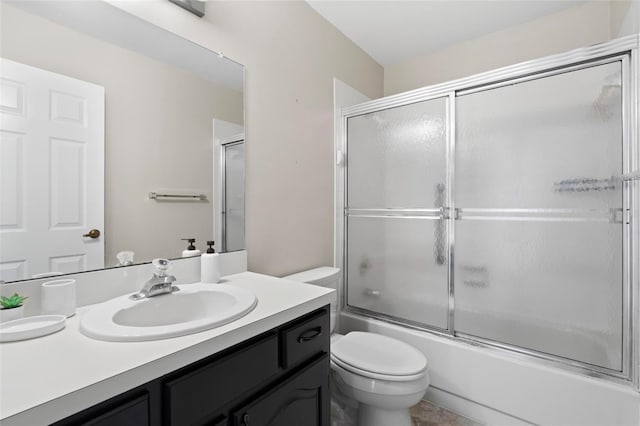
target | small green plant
[{"x": 13, "y": 301}]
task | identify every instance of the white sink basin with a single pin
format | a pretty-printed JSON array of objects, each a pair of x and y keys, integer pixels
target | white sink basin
[{"x": 195, "y": 308}]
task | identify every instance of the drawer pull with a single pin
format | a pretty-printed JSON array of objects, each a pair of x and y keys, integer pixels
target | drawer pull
[
  {"x": 310, "y": 334},
  {"x": 245, "y": 419}
]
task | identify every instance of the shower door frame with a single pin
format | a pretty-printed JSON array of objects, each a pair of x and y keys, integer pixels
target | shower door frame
[{"x": 623, "y": 49}]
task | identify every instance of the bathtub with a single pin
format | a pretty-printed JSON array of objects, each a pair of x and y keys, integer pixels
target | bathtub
[{"x": 496, "y": 387}]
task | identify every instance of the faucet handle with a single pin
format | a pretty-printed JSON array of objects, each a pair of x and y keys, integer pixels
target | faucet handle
[{"x": 161, "y": 266}]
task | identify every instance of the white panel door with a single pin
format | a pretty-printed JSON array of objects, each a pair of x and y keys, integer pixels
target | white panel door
[{"x": 51, "y": 172}]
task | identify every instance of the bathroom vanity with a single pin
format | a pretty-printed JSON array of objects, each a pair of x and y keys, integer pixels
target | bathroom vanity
[
  {"x": 269, "y": 367},
  {"x": 278, "y": 377}
]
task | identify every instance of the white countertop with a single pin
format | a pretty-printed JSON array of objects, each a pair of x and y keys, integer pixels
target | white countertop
[{"x": 49, "y": 378}]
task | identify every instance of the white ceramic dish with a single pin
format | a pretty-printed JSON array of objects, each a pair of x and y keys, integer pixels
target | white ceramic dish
[{"x": 31, "y": 327}]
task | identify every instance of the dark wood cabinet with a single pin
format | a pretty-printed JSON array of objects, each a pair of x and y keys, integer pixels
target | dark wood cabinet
[
  {"x": 133, "y": 413},
  {"x": 303, "y": 339},
  {"x": 131, "y": 408},
  {"x": 301, "y": 400},
  {"x": 193, "y": 397},
  {"x": 280, "y": 377}
]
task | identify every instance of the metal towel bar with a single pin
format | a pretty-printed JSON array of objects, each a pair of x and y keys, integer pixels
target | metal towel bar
[{"x": 188, "y": 197}]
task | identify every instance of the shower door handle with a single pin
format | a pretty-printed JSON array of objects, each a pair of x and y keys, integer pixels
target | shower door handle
[
  {"x": 440, "y": 228},
  {"x": 440, "y": 236}
]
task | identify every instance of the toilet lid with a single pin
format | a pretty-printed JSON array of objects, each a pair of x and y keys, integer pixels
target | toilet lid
[
  {"x": 335, "y": 362},
  {"x": 379, "y": 354}
]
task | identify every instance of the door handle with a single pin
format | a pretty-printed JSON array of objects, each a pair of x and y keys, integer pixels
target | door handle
[{"x": 94, "y": 233}]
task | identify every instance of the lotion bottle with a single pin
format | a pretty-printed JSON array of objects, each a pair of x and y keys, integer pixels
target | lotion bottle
[
  {"x": 210, "y": 265},
  {"x": 191, "y": 249}
]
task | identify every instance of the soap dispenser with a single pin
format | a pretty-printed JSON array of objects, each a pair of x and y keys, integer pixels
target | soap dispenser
[
  {"x": 210, "y": 265},
  {"x": 191, "y": 249}
]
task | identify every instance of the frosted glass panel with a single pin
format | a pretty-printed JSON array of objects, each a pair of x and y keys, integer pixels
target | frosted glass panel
[
  {"x": 396, "y": 267},
  {"x": 527, "y": 274},
  {"x": 554, "y": 142},
  {"x": 234, "y": 197},
  {"x": 397, "y": 156},
  {"x": 538, "y": 259},
  {"x": 555, "y": 287}
]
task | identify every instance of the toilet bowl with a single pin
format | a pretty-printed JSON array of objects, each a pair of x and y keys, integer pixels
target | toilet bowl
[{"x": 385, "y": 376}]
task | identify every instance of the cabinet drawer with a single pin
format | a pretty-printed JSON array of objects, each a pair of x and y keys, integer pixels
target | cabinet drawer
[
  {"x": 302, "y": 400},
  {"x": 132, "y": 412},
  {"x": 196, "y": 397},
  {"x": 304, "y": 339}
]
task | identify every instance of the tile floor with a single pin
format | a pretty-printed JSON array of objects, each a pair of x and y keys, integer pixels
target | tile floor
[{"x": 427, "y": 414}]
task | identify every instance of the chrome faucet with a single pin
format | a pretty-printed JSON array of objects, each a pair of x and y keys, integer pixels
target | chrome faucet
[{"x": 160, "y": 283}]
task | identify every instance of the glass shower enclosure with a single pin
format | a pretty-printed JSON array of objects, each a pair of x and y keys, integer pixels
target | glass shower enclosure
[{"x": 495, "y": 209}]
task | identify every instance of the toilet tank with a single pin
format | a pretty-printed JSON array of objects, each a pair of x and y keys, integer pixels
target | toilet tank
[{"x": 324, "y": 276}]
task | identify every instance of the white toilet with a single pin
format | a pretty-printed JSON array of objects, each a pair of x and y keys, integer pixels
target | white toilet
[{"x": 384, "y": 375}]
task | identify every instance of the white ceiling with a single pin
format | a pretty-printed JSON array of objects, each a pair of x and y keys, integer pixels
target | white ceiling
[{"x": 395, "y": 31}]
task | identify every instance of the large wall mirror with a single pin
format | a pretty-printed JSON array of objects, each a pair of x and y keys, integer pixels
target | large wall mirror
[{"x": 118, "y": 139}]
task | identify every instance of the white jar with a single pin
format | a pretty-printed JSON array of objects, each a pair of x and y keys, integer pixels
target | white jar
[{"x": 59, "y": 297}]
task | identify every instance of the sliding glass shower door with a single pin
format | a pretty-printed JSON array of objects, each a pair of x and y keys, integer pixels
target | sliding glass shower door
[
  {"x": 496, "y": 213},
  {"x": 396, "y": 234},
  {"x": 539, "y": 237}
]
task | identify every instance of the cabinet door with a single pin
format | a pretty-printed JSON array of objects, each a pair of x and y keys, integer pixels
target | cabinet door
[
  {"x": 302, "y": 400},
  {"x": 196, "y": 397}
]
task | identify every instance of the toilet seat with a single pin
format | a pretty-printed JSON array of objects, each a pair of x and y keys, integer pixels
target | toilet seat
[
  {"x": 395, "y": 388},
  {"x": 373, "y": 374},
  {"x": 378, "y": 357}
]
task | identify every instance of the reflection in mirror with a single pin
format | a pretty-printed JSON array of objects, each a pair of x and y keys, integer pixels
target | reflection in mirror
[
  {"x": 98, "y": 110},
  {"x": 229, "y": 160}
]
